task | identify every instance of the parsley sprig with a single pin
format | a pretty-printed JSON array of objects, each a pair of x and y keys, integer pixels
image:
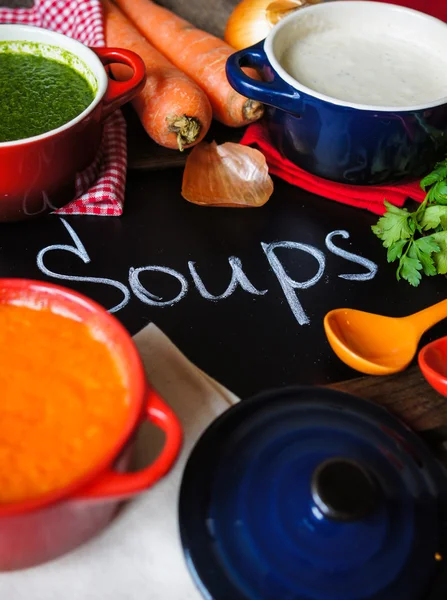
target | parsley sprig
[{"x": 418, "y": 240}]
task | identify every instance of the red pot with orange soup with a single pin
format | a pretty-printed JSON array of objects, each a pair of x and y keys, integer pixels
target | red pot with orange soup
[{"x": 73, "y": 394}]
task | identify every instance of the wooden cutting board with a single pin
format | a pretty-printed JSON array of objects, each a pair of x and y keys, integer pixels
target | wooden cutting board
[
  {"x": 408, "y": 396},
  {"x": 145, "y": 155}
]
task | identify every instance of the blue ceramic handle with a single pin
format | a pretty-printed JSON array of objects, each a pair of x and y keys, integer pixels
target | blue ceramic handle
[{"x": 276, "y": 93}]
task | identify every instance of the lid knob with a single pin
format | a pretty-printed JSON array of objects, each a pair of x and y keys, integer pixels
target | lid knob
[{"x": 343, "y": 489}]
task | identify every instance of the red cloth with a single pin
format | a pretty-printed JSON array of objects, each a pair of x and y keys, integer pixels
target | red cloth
[
  {"x": 435, "y": 8},
  {"x": 100, "y": 188},
  {"x": 367, "y": 197}
]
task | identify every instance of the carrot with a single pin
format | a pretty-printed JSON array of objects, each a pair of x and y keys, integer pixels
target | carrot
[
  {"x": 199, "y": 54},
  {"x": 173, "y": 109}
]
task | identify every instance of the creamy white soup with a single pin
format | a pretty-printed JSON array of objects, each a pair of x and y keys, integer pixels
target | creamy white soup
[{"x": 373, "y": 69}]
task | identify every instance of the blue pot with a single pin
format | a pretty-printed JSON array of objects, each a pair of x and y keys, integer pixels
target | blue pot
[
  {"x": 307, "y": 493},
  {"x": 338, "y": 139}
]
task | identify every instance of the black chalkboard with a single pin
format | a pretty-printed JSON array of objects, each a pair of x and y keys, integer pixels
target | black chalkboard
[{"x": 248, "y": 342}]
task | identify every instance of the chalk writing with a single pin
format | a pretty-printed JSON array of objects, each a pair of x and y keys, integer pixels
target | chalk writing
[
  {"x": 141, "y": 292},
  {"x": 355, "y": 258},
  {"x": 238, "y": 277},
  {"x": 46, "y": 204},
  {"x": 79, "y": 250},
  {"x": 288, "y": 285}
]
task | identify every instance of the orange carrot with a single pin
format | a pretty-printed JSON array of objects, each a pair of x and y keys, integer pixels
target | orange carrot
[
  {"x": 173, "y": 109},
  {"x": 198, "y": 53}
]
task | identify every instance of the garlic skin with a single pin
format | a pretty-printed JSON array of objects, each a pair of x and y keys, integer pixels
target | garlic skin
[
  {"x": 226, "y": 175},
  {"x": 252, "y": 20}
]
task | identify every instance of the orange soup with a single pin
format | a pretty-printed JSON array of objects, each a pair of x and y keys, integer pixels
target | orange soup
[{"x": 63, "y": 402}]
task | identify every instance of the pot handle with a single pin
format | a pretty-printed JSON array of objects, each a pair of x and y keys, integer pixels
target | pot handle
[
  {"x": 116, "y": 485},
  {"x": 120, "y": 92},
  {"x": 276, "y": 93}
]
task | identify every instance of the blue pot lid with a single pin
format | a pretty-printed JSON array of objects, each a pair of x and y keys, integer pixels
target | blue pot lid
[{"x": 312, "y": 494}]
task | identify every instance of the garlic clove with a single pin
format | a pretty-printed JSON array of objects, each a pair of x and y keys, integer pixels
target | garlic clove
[{"x": 226, "y": 175}]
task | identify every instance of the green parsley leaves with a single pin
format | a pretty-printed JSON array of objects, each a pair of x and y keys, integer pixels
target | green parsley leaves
[{"x": 418, "y": 240}]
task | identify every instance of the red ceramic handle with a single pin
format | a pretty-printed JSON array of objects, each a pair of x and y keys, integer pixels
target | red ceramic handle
[
  {"x": 120, "y": 92},
  {"x": 117, "y": 485}
]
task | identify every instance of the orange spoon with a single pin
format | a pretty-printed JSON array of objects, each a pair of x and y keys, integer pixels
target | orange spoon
[{"x": 375, "y": 344}]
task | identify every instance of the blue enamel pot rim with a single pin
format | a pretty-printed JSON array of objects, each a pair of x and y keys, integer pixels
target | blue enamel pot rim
[{"x": 379, "y": 7}]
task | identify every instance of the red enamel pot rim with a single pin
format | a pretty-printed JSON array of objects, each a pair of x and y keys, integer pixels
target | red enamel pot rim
[
  {"x": 25, "y": 291},
  {"x": 429, "y": 358}
]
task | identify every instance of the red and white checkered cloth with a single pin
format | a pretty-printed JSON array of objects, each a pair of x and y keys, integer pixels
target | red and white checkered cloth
[{"x": 100, "y": 188}]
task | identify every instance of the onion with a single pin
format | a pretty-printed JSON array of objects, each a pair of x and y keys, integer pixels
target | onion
[
  {"x": 252, "y": 20},
  {"x": 226, "y": 175}
]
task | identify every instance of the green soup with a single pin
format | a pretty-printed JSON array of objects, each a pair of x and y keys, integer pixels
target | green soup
[{"x": 38, "y": 94}]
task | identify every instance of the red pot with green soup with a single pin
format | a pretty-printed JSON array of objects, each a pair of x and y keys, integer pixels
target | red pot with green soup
[
  {"x": 54, "y": 97},
  {"x": 74, "y": 394}
]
